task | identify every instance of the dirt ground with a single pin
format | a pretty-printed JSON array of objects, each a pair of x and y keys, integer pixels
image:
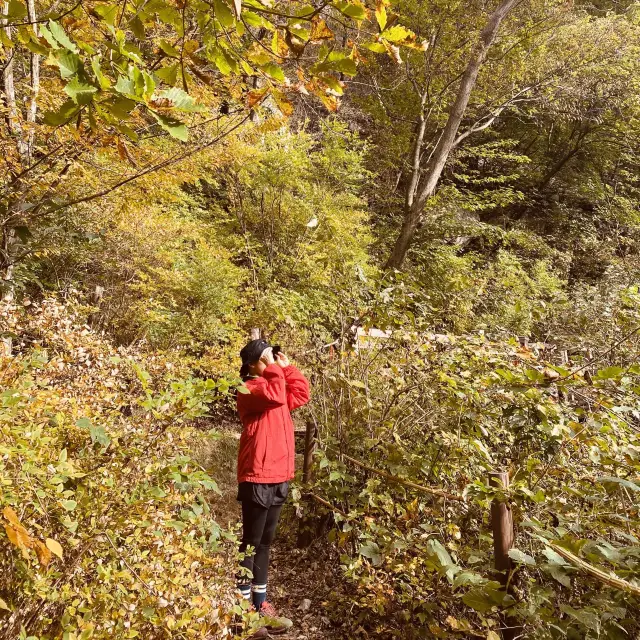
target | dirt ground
[{"x": 301, "y": 581}]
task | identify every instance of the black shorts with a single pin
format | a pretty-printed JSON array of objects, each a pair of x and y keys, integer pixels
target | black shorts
[{"x": 264, "y": 495}]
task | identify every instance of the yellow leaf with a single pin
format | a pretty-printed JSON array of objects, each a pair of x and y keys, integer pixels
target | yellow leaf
[
  {"x": 381, "y": 14},
  {"x": 452, "y": 622},
  {"x": 492, "y": 635},
  {"x": 19, "y": 537},
  {"x": 320, "y": 31},
  {"x": 54, "y": 547},
  {"x": 44, "y": 555},
  {"x": 4, "y": 605},
  {"x": 11, "y": 516}
]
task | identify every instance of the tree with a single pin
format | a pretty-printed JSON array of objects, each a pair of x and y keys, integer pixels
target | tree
[
  {"x": 424, "y": 179},
  {"x": 132, "y": 77}
]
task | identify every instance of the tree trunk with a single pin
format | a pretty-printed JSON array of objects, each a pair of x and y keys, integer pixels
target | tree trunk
[
  {"x": 35, "y": 84},
  {"x": 415, "y": 206}
]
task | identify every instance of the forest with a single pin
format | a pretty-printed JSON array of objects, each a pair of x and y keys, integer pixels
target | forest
[{"x": 433, "y": 206}]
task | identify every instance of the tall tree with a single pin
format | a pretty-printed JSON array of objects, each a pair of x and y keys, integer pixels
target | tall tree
[{"x": 424, "y": 179}]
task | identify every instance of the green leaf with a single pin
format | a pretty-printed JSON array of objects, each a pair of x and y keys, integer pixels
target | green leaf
[
  {"x": 137, "y": 27},
  {"x": 372, "y": 551},
  {"x": 103, "y": 81},
  {"x": 16, "y": 10},
  {"x": 589, "y": 619},
  {"x": 35, "y": 47},
  {"x": 466, "y": 578},
  {"x": 69, "y": 505},
  {"x": 80, "y": 92},
  {"x": 273, "y": 71},
  {"x": 64, "y": 114},
  {"x": 376, "y": 47},
  {"x": 83, "y": 423},
  {"x": 242, "y": 389},
  {"x": 119, "y": 108},
  {"x": 60, "y": 35},
  {"x": 108, "y": 12},
  {"x": 69, "y": 63},
  {"x": 157, "y": 492},
  {"x": 46, "y": 34},
  {"x": 223, "y": 13},
  {"x": 169, "y": 74},
  {"x": 179, "y": 100},
  {"x": 558, "y": 573},
  {"x": 553, "y": 557},
  {"x": 612, "y": 480},
  {"x": 608, "y": 373},
  {"x": 99, "y": 435},
  {"x": 479, "y": 600},
  {"x": 168, "y": 49},
  {"x": 352, "y": 10},
  {"x": 126, "y": 87},
  {"x": 333, "y": 83},
  {"x": 521, "y": 557},
  {"x": 175, "y": 128}
]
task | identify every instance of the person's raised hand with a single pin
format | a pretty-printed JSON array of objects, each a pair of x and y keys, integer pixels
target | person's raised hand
[
  {"x": 282, "y": 359},
  {"x": 267, "y": 356}
]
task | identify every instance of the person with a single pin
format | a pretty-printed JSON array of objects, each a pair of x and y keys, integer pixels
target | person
[{"x": 274, "y": 388}]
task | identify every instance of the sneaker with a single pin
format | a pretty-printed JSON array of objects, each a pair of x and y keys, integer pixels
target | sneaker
[{"x": 272, "y": 622}]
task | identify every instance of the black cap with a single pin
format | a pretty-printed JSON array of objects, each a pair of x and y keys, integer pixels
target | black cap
[{"x": 251, "y": 353}]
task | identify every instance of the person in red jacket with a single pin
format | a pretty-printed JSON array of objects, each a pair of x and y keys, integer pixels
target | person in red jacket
[{"x": 266, "y": 457}]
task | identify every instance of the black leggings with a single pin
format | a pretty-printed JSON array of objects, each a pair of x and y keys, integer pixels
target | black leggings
[{"x": 258, "y": 531}]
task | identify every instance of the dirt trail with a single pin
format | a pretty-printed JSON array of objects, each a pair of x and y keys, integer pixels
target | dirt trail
[{"x": 301, "y": 580}]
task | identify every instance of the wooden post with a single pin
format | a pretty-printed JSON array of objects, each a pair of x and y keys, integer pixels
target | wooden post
[
  {"x": 502, "y": 525},
  {"x": 309, "y": 524},
  {"x": 255, "y": 333},
  {"x": 503, "y": 538},
  {"x": 309, "y": 446}
]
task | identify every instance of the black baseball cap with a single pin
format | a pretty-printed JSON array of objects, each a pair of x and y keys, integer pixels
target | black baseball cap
[{"x": 251, "y": 353}]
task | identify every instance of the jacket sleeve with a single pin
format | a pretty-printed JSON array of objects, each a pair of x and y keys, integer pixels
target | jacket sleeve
[
  {"x": 297, "y": 388},
  {"x": 267, "y": 391}
]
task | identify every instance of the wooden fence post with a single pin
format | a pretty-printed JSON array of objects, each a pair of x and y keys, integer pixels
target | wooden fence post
[
  {"x": 503, "y": 538},
  {"x": 502, "y": 525},
  {"x": 309, "y": 523},
  {"x": 309, "y": 447}
]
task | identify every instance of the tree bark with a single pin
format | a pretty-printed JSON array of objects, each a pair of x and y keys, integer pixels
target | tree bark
[
  {"x": 414, "y": 206},
  {"x": 35, "y": 84}
]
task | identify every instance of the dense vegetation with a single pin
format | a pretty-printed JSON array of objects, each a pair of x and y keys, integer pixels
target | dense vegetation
[{"x": 461, "y": 176}]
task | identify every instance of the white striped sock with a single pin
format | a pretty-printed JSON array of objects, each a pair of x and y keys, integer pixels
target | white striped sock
[
  {"x": 259, "y": 588},
  {"x": 245, "y": 590}
]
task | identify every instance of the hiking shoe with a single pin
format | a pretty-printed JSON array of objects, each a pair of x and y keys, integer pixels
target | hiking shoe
[
  {"x": 271, "y": 621},
  {"x": 259, "y": 634}
]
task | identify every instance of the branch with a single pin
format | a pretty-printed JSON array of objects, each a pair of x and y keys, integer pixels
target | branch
[
  {"x": 609, "y": 579},
  {"x": 161, "y": 165},
  {"x": 491, "y": 118},
  {"x": 406, "y": 483}
]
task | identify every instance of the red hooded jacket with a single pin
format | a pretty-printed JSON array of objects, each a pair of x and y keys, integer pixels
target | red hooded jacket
[{"x": 267, "y": 446}]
